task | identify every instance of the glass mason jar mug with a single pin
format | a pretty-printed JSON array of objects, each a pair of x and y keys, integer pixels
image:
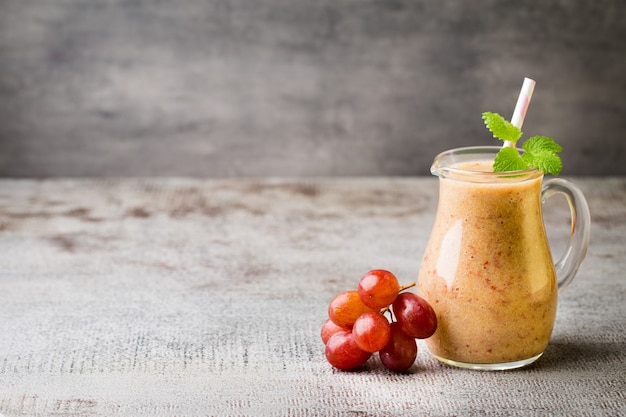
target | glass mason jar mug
[{"x": 487, "y": 269}]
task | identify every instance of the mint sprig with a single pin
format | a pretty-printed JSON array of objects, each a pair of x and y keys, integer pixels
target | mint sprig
[{"x": 540, "y": 152}]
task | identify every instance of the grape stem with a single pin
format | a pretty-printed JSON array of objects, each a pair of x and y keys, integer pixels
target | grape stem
[
  {"x": 402, "y": 288},
  {"x": 388, "y": 310}
]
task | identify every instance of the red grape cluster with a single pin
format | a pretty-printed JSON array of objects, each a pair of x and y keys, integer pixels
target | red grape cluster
[{"x": 357, "y": 325}]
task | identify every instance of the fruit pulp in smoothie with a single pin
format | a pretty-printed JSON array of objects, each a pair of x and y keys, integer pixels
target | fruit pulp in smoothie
[{"x": 488, "y": 271}]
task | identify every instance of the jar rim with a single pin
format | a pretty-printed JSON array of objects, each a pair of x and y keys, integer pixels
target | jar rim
[{"x": 445, "y": 165}]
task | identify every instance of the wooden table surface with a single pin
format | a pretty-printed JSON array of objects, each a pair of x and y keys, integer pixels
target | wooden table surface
[{"x": 189, "y": 297}]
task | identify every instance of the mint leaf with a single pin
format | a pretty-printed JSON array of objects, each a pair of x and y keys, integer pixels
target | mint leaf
[
  {"x": 537, "y": 144},
  {"x": 541, "y": 153},
  {"x": 508, "y": 159},
  {"x": 501, "y": 128},
  {"x": 549, "y": 163}
]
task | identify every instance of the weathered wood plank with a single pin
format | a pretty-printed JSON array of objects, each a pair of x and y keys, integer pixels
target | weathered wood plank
[{"x": 205, "y": 297}]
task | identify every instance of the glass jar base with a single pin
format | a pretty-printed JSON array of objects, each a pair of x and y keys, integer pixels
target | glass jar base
[{"x": 490, "y": 366}]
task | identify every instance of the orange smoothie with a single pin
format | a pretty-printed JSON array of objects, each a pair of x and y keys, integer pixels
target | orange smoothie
[{"x": 487, "y": 270}]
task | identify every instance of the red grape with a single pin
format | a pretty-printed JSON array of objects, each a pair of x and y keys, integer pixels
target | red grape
[
  {"x": 400, "y": 352},
  {"x": 378, "y": 288},
  {"x": 345, "y": 308},
  {"x": 328, "y": 329},
  {"x": 415, "y": 316},
  {"x": 343, "y": 353},
  {"x": 371, "y": 331}
]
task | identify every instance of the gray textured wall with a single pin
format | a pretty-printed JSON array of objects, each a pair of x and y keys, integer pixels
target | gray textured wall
[{"x": 300, "y": 87}]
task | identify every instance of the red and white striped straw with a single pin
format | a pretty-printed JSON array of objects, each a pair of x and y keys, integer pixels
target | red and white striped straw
[{"x": 521, "y": 107}]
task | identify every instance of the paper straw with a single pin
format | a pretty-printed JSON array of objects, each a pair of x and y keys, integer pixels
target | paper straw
[{"x": 521, "y": 107}]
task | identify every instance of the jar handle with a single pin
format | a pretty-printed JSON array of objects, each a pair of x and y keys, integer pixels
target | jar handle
[{"x": 567, "y": 266}]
